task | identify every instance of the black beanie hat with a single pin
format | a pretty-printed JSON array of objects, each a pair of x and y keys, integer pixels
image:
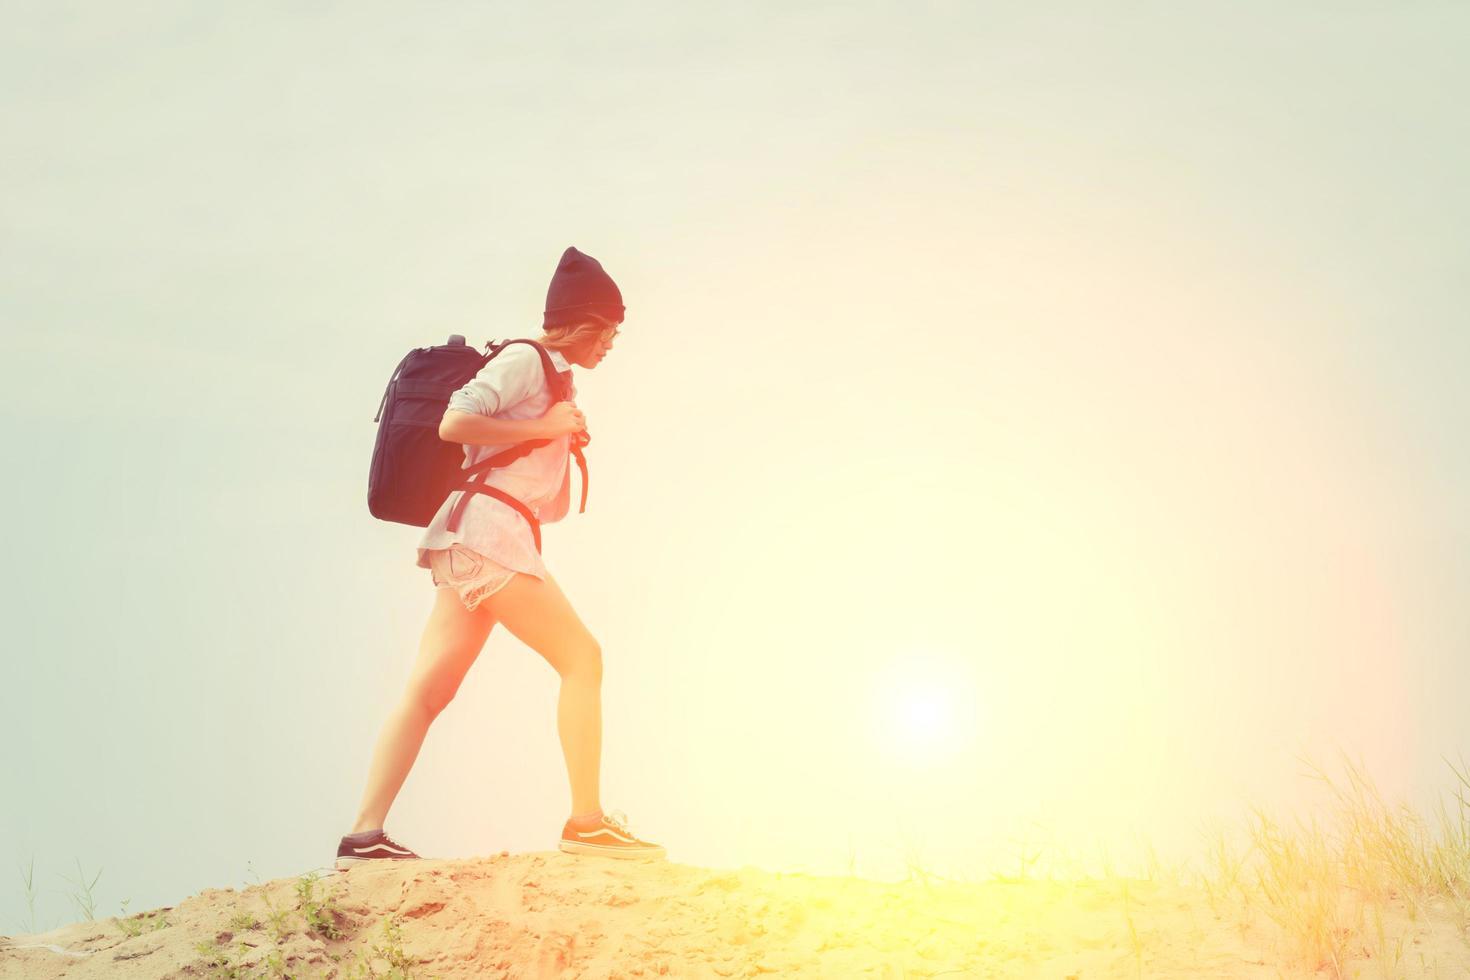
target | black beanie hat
[{"x": 580, "y": 286}]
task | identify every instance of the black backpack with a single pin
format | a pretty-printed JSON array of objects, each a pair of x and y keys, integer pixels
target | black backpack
[{"x": 413, "y": 470}]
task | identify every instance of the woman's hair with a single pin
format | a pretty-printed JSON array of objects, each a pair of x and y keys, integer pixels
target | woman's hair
[{"x": 565, "y": 336}]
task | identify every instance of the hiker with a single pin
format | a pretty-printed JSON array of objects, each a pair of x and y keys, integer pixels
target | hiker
[{"x": 484, "y": 558}]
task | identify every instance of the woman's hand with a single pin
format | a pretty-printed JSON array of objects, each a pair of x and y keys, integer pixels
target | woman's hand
[{"x": 561, "y": 419}]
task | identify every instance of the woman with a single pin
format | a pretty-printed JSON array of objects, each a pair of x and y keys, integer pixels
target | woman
[{"x": 489, "y": 569}]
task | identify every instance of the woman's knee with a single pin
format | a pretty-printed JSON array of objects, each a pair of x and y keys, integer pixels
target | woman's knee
[
  {"x": 583, "y": 660},
  {"x": 430, "y": 699}
]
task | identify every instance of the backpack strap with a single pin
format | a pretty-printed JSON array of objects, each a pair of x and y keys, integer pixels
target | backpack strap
[
  {"x": 472, "y": 488},
  {"x": 558, "y": 389},
  {"x": 480, "y": 471},
  {"x": 582, "y": 465}
]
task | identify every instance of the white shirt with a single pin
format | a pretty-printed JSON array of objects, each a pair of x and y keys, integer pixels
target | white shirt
[{"x": 511, "y": 386}]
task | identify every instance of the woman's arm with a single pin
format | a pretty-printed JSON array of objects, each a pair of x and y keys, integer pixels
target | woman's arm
[{"x": 473, "y": 429}]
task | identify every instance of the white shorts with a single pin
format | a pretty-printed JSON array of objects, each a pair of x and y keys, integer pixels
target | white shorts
[{"x": 468, "y": 573}]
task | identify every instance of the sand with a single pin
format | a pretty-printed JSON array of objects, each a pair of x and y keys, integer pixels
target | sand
[{"x": 548, "y": 915}]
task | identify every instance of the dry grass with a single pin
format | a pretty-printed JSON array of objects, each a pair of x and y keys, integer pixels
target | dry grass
[{"x": 1332, "y": 884}]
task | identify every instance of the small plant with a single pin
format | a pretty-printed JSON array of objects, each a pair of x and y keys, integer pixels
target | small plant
[
  {"x": 400, "y": 965},
  {"x": 321, "y": 916},
  {"x": 1026, "y": 859},
  {"x": 85, "y": 904},
  {"x": 1155, "y": 869},
  {"x": 223, "y": 966},
  {"x": 913, "y": 861},
  {"x": 1133, "y": 940},
  {"x": 244, "y": 922},
  {"x": 28, "y": 878},
  {"x": 1388, "y": 956},
  {"x": 136, "y": 925},
  {"x": 280, "y": 929},
  {"x": 214, "y": 955},
  {"x": 1224, "y": 880},
  {"x": 1302, "y": 886}
]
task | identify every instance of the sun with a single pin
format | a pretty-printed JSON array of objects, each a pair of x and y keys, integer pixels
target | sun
[
  {"x": 924, "y": 708},
  {"x": 923, "y": 713}
]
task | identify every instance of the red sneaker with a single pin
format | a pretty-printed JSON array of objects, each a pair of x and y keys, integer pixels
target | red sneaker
[{"x": 609, "y": 838}]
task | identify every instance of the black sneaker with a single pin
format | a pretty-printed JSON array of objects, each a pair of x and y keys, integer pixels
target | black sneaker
[{"x": 379, "y": 847}]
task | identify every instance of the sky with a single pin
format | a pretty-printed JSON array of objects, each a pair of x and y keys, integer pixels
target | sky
[{"x": 1035, "y": 428}]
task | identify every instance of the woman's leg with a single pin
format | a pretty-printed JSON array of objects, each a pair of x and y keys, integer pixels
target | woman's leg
[
  {"x": 539, "y": 615},
  {"x": 452, "y": 640}
]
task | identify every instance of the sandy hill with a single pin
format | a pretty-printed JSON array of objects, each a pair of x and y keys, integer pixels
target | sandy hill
[{"x": 551, "y": 915}]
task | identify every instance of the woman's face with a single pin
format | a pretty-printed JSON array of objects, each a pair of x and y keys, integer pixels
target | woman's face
[{"x": 597, "y": 345}]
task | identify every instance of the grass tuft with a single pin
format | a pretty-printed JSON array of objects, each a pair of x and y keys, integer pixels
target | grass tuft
[
  {"x": 390, "y": 951},
  {"x": 322, "y": 915},
  {"x": 83, "y": 899},
  {"x": 28, "y": 880},
  {"x": 1319, "y": 880},
  {"x": 136, "y": 925}
]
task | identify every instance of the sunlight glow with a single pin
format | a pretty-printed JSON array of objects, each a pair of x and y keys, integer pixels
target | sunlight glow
[
  {"x": 923, "y": 708},
  {"x": 924, "y": 714}
]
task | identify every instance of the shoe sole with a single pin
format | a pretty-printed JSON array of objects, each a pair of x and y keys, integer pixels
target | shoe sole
[
  {"x": 343, "y": 863},
  {"x": 613, "y": 851}
]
